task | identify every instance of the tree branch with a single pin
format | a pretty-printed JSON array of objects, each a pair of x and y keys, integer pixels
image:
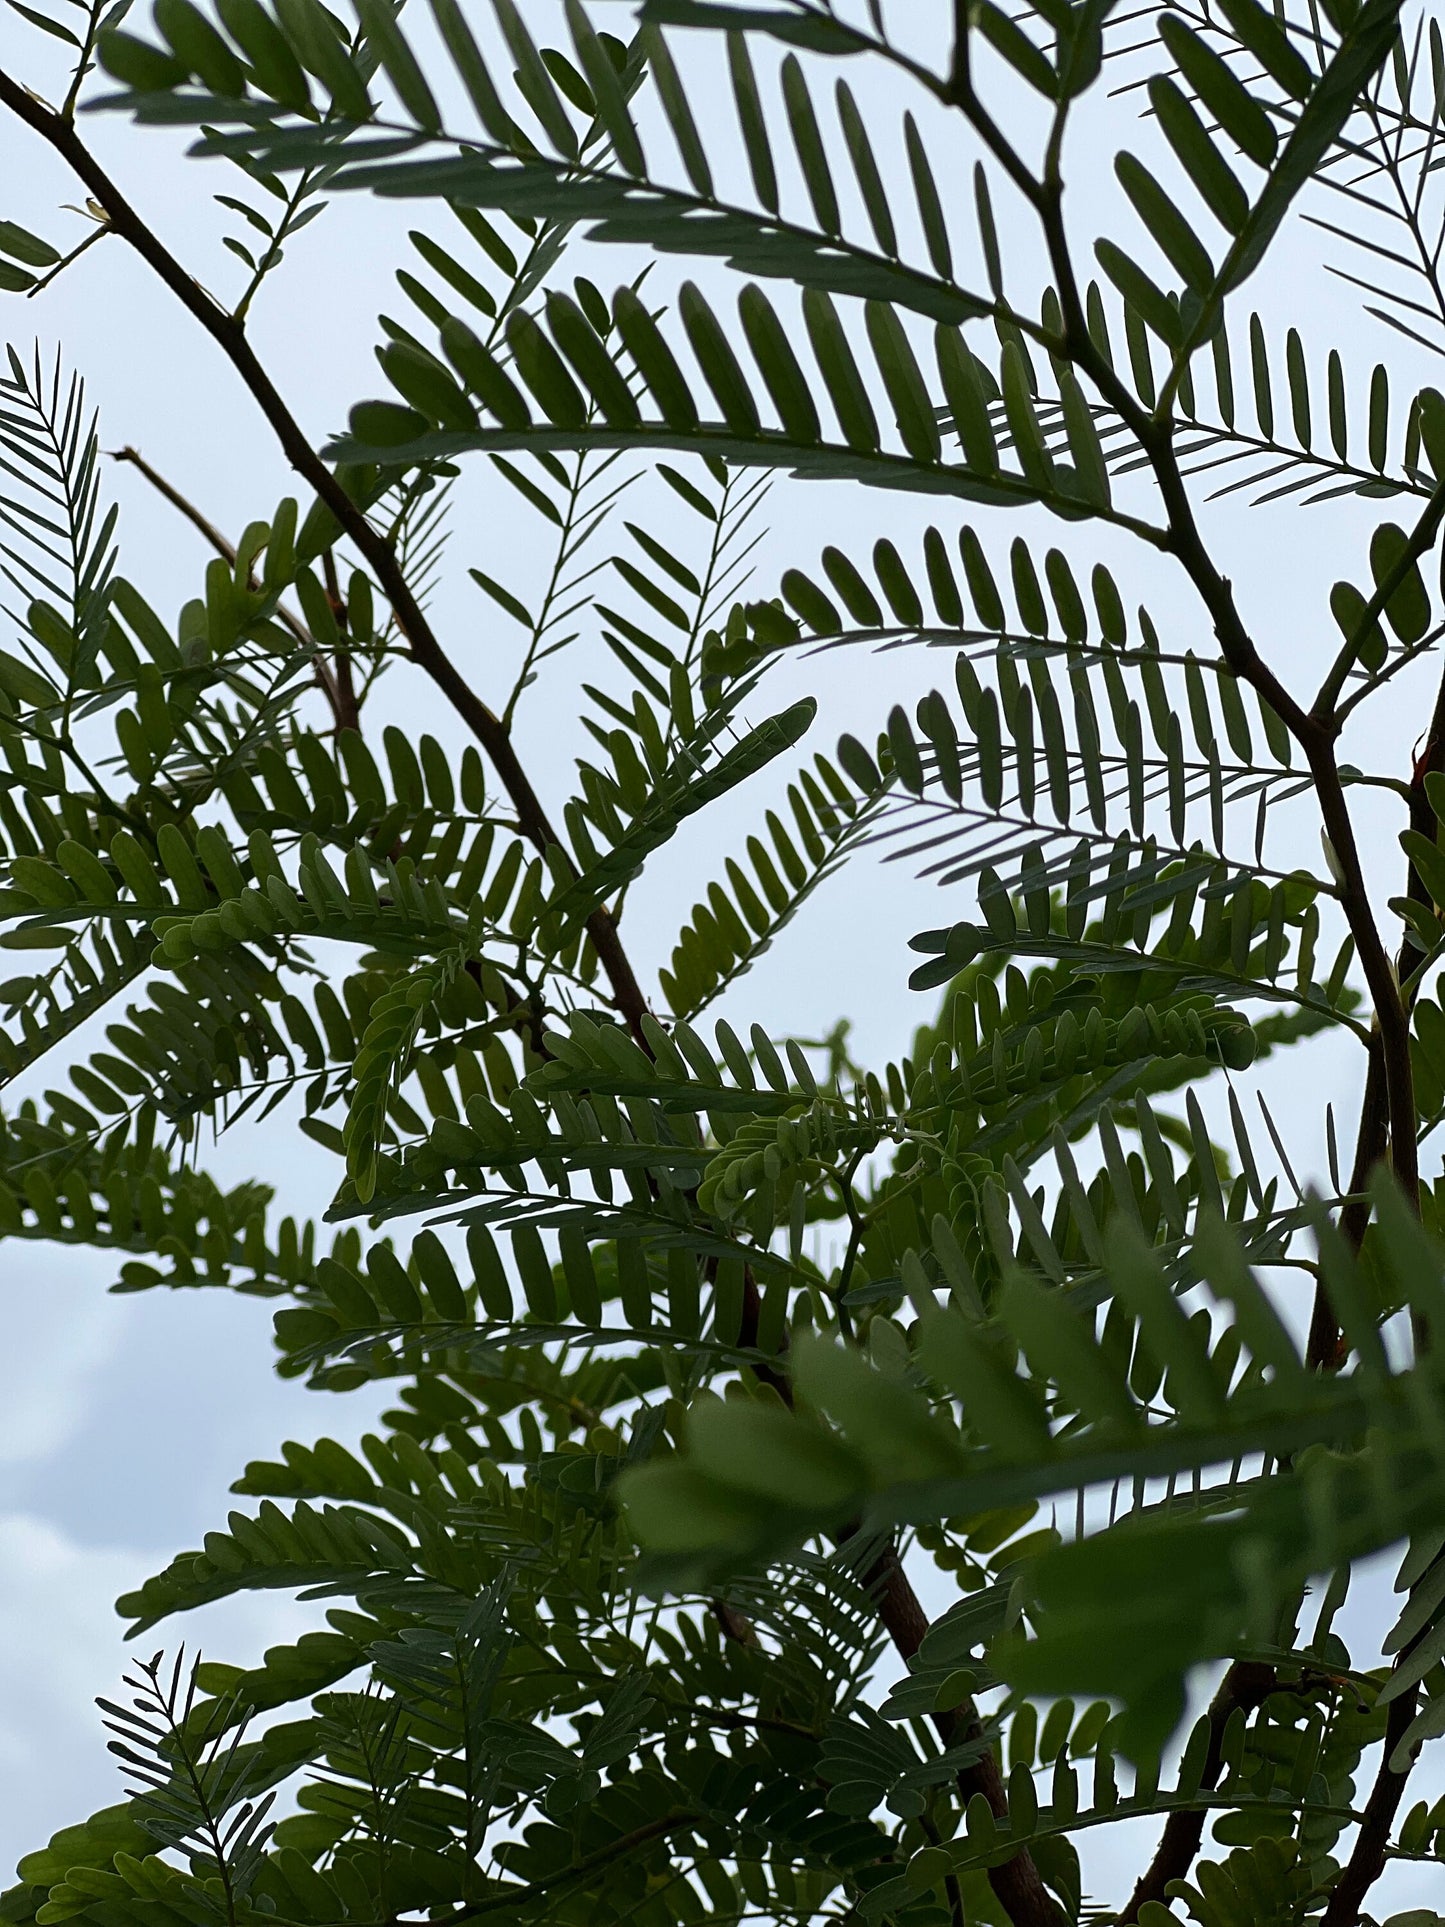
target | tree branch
[
  {"x": 1314, "y": 734},
  {"x": 1315, "y": 731},
  {"x": 1391, "y": 1013},
  {"x": 226, "y": 550},
  {"x": 1247, "y": 1684},
  {"x": 1372, "y": 1141},
  {"x": 1367, "y": 1859},
  {"x": 426, "y": 650},
  {"x": 1017, "y": 1884},
  {"x": 348, "y": 715}
]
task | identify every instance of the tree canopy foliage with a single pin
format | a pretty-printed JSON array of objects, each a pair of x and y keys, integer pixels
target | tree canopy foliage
[{"x": 715, "y": 1354}]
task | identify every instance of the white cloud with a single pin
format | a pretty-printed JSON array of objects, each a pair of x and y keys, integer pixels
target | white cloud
[
  {"x": 61, "y": 1323},
  {"x": 61, "y": 1644}
]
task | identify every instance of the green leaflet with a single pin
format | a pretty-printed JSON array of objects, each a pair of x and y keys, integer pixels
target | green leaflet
[
  {"x": 798, "y": 27},
  {"x": 395, "y": 1020},
  {"x": 1331, "y": 100},
  {"x": 21, "y": 245},
  {"x": 684, "y": 789},
  {"x": 741, "y": 917}
]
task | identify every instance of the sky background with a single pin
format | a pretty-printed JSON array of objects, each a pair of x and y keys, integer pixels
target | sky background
[{"x": 125, "y": 1419}]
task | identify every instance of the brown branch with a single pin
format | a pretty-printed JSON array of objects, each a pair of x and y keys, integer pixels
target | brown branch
[
  {"x": 1372, "y": 1142},
  {"x": 1367, "y": 1858},
  {"x": 426, "y": 651},
  {"x": 1391, "y": 1014},
  {"x": 1315, "y": 734},
  {"x": 348, "y": 714},
  {"x": 1017, "y": 1884},
  {"x": 1247, "y": 1684},
  {"x": 193, "y": 515},
  {"x": 348, "y": 709},
  {"x": 958, "y": 84},
  {"x": 226, "y": 550},
  {"x": 1323, "y": 1350},
  {"x": 1392, "y": 1092},
  {"x": 1388, "y": 1111}
]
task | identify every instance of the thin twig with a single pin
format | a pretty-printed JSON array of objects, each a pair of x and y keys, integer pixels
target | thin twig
[
  {"x": 347, "y": 715},
  {"x": 227, "y": 551},
  {"x": 97, "y": 233}
]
